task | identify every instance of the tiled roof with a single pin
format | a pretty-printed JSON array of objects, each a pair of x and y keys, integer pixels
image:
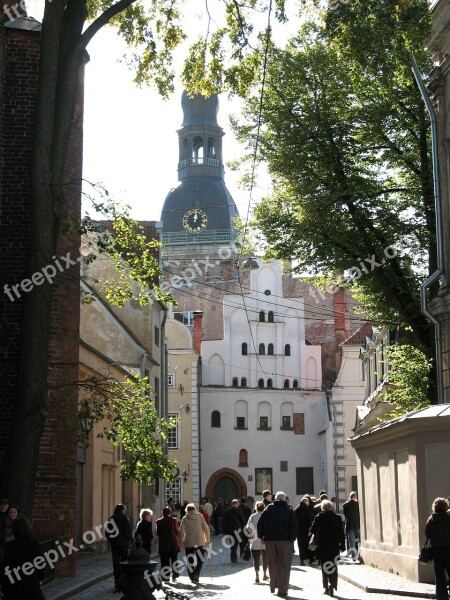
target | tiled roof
[{"x": 359, "y": 337}]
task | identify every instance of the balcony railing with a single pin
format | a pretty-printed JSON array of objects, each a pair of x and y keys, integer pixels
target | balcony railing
[{"x": 210, "y": 162}]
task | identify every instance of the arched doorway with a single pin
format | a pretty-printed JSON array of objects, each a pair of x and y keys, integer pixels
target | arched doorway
[
  {"x": 226, "y": 484},
  {"x": 226, "y": 489}
]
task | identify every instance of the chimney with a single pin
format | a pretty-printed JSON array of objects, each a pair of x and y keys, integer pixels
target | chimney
[
  {"x": 198, "y": 322},
  {"x": 341, "y": 326}
]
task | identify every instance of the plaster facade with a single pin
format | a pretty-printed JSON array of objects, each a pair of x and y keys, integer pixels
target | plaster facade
[
  {"x": 183, "y": 404},
  {"x": 263, "y": 412},
  {"x": 400, "y": 469},
  {"x": 115, "y": 342},
  {"x": 347, "y": 394}
]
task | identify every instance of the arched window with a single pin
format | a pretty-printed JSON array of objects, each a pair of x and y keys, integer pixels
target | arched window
[
  {"x": 286, "y": 384},
  {"x": 243, "y": 381},
  {"x": 235, "y": 381},
  {"x": 215, "y": 418},
  {"x": 243, "y": 458},
  {"x": 244, "y": 349},
  {"x": 269, "y": 384},
  {"x": 270, "y": 316},
  {"x": 262, "y": 349},
  {"x": 262, "y": 316},
  {"x": 270, "y": 349},
  {"x": 260, "y": 383},
  {"x": 295, "y": 384},
  {"x": 287, "y": 350}
]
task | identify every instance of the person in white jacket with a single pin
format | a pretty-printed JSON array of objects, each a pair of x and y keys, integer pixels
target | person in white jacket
[
  {"x": 256, "y": 544},
  {"x": 193, "y": 536}
]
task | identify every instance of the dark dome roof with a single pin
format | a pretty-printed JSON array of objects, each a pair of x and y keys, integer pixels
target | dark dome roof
[
  {"x": 200, "y": 110},
  {"x": 206, "y": 193}
]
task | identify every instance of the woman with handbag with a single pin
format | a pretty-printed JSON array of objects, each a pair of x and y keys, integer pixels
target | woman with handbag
[
  {"x": 329, "y": 536},
  {"x": 437, "y": 530},
  {"x": 257, "y": 545},
  {"x": 168, "y": 547}
]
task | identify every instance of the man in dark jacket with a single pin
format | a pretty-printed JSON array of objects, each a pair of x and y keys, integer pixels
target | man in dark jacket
[
  {"x": 278, "y": 528},
  {"x": 246, "y": 510},
  {"x": 352, "y": 525},
  {"x": 233, "y": 524},
  {"x": 119, "y": 537}
]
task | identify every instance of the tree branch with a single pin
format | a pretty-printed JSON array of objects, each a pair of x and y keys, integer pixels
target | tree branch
[{"x": 103, "y": 20}]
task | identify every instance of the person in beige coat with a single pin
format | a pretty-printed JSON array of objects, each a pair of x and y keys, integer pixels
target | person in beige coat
[{"x": 193, "y": 537}]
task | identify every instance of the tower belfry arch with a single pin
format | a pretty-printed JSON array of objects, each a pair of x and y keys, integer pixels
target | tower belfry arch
[{"x": 198, "y": 214}]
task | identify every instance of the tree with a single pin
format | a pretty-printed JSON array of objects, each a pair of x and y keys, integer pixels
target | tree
[
  {"x": 344, "y": 132},
  {"x": 408, "y": 379},
  {"x": 127, "y": 412},
  {"x": 68, "y": 26}
]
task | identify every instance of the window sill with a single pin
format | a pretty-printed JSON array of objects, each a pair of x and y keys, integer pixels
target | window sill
[
  {"x": 264, "y": 428},
  {"x": 241, "y": 428},
  {"x": 286, "y": 428}
]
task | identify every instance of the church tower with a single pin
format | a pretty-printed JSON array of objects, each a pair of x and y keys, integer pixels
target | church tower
[{"x": 198, "y": 214}]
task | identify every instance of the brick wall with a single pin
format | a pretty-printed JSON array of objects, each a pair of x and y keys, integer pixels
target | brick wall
[
  {"x": 20, "y": 63},
  {"x": 299, "y": 423},
  {"x": 54, "y": 510}
]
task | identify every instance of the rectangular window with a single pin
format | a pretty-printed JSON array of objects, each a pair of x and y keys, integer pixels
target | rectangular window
[
  {"x": 172, "y": 434},
  {"x": 286, "y": 423},
  {"x": 171, "y": 380},
  {"x": 354, "y": 483},
  {"x": 156, "y": 336},
  {"x": 263, "y": 422},
  {"x": 240, "y": 422},
  {"x": 304, "y": 480},
  {"x": 187, "y": 318},
  {"x": 173, "y": 490},
  {"x": 283, "y": 465},
  {"x": 263, "y": 480}
]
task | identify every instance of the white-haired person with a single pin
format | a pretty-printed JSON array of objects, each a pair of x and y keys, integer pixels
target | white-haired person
[
  {"x": 328, "y": 531},
  {"x": 193, "y": 536},
  {"x": 257, "y": 546},
  {"x": 278, "y": 527},
  {"x": 145, "y": 529}
]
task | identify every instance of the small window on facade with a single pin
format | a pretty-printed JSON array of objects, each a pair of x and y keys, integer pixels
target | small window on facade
[
  {"x": 262, "y": 316},
  {"x": 287, "y": 350},
  {"x": 260, "y": 383},
  {"x": 286, "y": 423},
  {"x": 244, "y": 349},
  {"x": 269, "y": 383},
  {"x": 262, "y": 349},
  {"x": 286, "y": 384},
  {"x": 215, "y": 418},
  {"x": 270, "y": 349},
  {"x": 235, "y": 381},
  {"x": 156, "y": 336},
  {"x": 270, "y": 316},
  {"x": 263, "y": 422},
  {"x": 295, "y": 384},
  {"x": 243, "y": 458},
  {"x": 240, "y": 422},
  {"x": 243, "y": 381},
  {"x": 283, "y": 465}
]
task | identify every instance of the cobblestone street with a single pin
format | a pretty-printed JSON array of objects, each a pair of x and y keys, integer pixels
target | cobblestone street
[{"x": 223, "y": 579}]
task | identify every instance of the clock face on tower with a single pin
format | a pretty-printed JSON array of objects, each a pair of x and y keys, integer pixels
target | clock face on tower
[{"x": 195, "y": 220}]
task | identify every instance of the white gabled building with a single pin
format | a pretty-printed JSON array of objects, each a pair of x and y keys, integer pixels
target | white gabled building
[{"x": 264, "y": 415}]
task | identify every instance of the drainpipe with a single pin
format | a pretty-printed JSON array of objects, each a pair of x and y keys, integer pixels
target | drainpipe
[{"x": 437, "y": 205}]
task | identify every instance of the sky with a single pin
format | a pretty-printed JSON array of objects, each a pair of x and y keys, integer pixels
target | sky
[
  {"x": 130, "y": 138},
  {"x": 130, "y": 133}
]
